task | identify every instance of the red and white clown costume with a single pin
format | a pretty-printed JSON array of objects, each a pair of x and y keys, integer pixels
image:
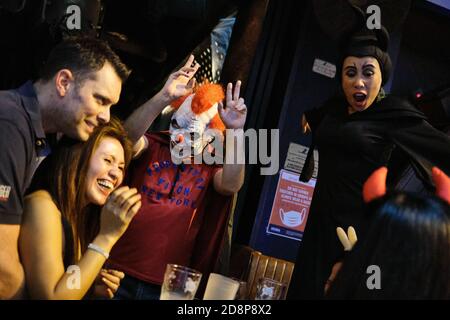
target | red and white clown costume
[
  {"x": 196, "y": 122},
  {"x": 184, "y": 218}
]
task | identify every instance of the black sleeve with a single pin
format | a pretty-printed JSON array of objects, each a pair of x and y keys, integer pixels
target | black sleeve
[
  {"x": 315, "y": 116},
  {"x": 424, "y": 145},
  {"x": 13, "y": 171}
]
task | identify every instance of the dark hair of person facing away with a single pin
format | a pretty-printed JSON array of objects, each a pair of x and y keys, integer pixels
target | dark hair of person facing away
[
  {"x": 82, "y": 55},
  {"x": 63, "y": 175},
  {"x": 409, "y": 240}
]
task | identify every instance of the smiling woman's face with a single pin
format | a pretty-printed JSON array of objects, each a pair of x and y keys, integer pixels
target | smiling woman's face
[
  {"x": 361, "y": 82},
  {"x": 106, "y": 170}
]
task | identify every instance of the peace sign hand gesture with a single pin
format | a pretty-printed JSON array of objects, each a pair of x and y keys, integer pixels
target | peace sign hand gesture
[
  {"x": 234, "y": 113},
  {"x": 348, "y": 239}
]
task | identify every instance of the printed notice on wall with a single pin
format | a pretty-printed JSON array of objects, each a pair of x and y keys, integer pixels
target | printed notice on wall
[
  {"x": 296, "y": 157},
  {"x": 324, "y": 68},
  {"x": 290, "y": 207}
]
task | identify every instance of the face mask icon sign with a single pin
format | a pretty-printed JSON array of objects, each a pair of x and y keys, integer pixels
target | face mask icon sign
[{"x": 292, "y": 218}]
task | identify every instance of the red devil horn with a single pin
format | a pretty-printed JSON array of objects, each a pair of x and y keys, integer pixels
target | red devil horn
[
  {"x": 442, "y": 182},
  {"x": 375, "y": 185}
]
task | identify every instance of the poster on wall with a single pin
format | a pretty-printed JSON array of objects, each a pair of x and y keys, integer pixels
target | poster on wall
[
  {"x": 290, "y": 206},
  {"x": 296, "y": 156}
]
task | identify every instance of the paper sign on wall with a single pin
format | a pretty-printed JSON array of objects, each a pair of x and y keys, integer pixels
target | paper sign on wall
[
  {"x": 324, "y": 68},
  {"x": 290, "y": 206},
  {"x": 296, "y": 157}
]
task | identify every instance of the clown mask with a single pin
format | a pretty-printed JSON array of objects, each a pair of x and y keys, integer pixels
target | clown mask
[{"x": 191, "y": 124}]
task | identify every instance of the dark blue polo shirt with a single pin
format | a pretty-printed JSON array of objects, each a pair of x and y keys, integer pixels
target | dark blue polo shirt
[{"x": 22, "y": 146}]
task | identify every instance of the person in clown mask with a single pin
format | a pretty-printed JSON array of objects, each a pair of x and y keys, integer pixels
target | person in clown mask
[
  {"x": 185, "y": 203},
  {"x": 196, "y": 123}
]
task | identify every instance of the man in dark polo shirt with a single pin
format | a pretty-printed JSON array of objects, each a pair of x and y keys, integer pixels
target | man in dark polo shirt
[{"x": 79, "y": 83}]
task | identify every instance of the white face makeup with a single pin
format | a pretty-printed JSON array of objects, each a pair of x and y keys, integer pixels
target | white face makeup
[
  {"x": 361, "y": 82},
  {"x": 187, "y": 130}
]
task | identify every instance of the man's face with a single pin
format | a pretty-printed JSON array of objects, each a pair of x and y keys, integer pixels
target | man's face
[{"x": 87, "y": 105}]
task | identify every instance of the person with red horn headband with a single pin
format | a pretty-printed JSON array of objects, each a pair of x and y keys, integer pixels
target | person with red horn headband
[
  {"x": 356, "y": 133},
  {"x": 407, "y": 243}
]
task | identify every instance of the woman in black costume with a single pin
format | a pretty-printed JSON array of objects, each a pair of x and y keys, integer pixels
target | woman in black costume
[{"x": 356, "y": 135}]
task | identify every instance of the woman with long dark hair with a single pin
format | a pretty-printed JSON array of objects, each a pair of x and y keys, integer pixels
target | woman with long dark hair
[{"x": 74, "y": 213}]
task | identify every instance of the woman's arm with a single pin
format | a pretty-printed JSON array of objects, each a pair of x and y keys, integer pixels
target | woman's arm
[{"x": 40, "y": 245}]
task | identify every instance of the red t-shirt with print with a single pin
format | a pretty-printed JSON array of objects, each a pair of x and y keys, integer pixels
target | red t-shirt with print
[{"x": 165, "y": 228}]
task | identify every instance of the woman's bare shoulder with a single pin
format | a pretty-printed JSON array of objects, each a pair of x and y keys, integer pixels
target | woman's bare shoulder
[{"x": 40, "y": 203}]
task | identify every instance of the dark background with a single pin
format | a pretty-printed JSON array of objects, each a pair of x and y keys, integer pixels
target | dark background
[{"x": 272, "y": 49}]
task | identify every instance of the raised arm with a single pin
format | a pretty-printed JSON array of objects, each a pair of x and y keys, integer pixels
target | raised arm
[
  {"x": 230, "y": 178},
  {"x": 177, "y": 85}
]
